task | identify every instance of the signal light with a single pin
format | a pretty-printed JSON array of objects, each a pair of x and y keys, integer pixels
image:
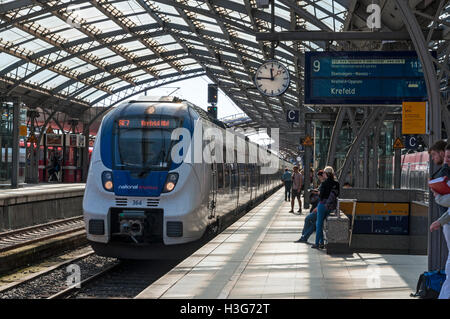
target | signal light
[
  {"x": 212, "y": 93},
  {"x": 212, "y": 111}
]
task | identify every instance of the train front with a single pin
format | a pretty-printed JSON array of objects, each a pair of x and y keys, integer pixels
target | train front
[{"x": 135, "y": 193}]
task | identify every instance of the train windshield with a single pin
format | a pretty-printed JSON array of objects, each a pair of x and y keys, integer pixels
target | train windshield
[{"x": 144, "y": 143}]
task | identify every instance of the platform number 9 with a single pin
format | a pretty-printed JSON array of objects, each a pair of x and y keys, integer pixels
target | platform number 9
[
  {"x": 74, "y": 279},
  {"x": 316, "y": 65}
]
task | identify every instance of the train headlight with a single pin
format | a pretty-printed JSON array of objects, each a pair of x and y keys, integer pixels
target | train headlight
[
  {"x": 171, "y": 181},
  {"x": 107, "y": 181}
]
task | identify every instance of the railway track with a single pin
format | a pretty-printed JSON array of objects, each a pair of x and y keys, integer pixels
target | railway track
[
  {"x": 25, "y": 236},
  {"x": 101, "y": 277},
  {"x": 124, "y": 280},
  {"x": 52, "y": 281}
]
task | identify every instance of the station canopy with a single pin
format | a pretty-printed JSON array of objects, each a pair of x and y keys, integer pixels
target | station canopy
[{"x": 78, "y": 55}]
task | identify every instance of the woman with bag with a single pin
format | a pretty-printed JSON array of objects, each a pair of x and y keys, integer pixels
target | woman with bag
[{"x": 328, "y": 193}]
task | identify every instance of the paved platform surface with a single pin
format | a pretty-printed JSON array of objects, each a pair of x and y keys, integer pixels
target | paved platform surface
[
  {"x": 36, "y": 192},
  {"x": 256, "y": 257},
  {"x": 41, "y": 187}
]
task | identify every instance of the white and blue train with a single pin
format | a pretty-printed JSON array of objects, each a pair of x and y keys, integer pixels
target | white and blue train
[{"x": 138, "y": 202}]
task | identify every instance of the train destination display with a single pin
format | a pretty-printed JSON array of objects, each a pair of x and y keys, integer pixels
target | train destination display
[
  {"x": 134, "y": 123},
  {"x": 363, "y": 78}
]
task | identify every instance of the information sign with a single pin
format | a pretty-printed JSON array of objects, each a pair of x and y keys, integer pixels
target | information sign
[
  {"x": 363, "y": 78},
  {"x": 414, "y": 118}
]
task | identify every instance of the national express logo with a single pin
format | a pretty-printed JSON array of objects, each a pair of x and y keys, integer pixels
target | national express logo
[
  {"x": 137, "y": 187},
  {"x": 128, "y": 187}
]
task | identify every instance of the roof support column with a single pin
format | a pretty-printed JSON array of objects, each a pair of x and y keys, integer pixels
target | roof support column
[
  {"x": 354, "y": 149},
  {"x": 397, "y": 156},
  {"x": 307, "y": 166},
  {"x": 355, "y": 163},
  {"x": 15, "y": 144},
  {"x": 437, "y": 254},
  {"x": 335, "y": 136},
  {"x": 366, "y": 162},
  {"x": 32, "y": 172},
  {"x": 85, "y": 153},
  {"x": 373, "y": 180}
]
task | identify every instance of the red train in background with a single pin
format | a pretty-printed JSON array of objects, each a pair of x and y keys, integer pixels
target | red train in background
[
  {"x": 415, "y": 170},
  {"x": 71, "y": 162}
]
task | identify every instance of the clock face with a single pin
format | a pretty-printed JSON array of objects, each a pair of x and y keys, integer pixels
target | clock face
[{"x": 272, "y": 78}]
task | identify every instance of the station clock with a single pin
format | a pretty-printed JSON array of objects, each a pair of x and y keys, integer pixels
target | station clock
[{"x": 272, "y": 78}]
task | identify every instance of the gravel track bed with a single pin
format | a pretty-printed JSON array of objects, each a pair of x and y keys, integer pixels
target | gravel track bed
[
  {"x": 55, "y": 281},
  {"x": 127, "y": 280}
]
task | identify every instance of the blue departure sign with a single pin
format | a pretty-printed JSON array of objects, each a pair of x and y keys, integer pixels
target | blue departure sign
[{"x": 363, "y": 78}]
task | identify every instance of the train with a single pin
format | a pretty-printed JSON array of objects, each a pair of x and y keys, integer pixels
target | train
[
  {"x": 142, "y": 201},
  {"x": 415, "y": 170}
]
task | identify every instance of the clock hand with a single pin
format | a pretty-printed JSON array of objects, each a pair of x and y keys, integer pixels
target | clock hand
[
  {"x": 263, "y": 78},
  {"x": 271, "y": 74}
]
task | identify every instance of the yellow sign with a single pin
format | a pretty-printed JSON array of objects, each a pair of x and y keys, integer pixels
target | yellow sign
[
  {"x": 32, "y": 138},
  {"x": 398, "y": 144},
  {"x": 391, "y": 209},
  {"x": 308, "y": 141},
  {"x": 361, "y": 208},
  {"x": 414, "y": 118},
  {"x": 23, "y": 130},
  {"x": 376, "y": 209}
]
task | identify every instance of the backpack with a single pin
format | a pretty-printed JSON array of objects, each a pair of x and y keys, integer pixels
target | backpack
[
  {"x": 331, "y": 202},
  {"x": 429, "y": 284}
]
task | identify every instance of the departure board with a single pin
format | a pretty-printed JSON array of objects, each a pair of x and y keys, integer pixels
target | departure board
[{"x": 363, "y": 78}]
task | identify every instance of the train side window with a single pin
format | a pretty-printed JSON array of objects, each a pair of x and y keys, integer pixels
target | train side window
[{"x": 220, "y": 175}]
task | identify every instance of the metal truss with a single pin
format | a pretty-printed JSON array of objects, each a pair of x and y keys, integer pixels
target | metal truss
[{"x": 151, "y": 43}]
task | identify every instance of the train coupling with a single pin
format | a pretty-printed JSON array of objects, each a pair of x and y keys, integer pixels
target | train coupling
[{"x": 132, "y": 224}]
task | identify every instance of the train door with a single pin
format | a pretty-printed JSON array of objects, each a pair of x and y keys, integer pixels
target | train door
[
  {"x": 235, "y": 184},
  {"x": 250, "y": 181},
  {"x": 212, "y": 202}
]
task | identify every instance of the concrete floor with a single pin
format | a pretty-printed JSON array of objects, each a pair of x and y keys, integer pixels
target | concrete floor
[{"x": 256, "y": 257}]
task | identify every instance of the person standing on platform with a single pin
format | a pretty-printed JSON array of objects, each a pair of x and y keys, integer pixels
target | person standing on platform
[
  {"x": 287, "y": 180},
  {"x": 444, "y": 222},
  {"x": 329, "y": 186},
  {"x": 297, "y": 183},
  {"x": 437, "y": 154},
  {"x": 310, "y": 221}
]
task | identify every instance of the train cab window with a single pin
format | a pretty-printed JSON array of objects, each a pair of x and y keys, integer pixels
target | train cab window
[{"x": 144, "y": 143}]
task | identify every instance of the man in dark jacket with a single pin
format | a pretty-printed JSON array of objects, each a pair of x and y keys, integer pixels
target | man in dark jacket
[
  {"x": 324, "y": 208},
  {"x": 310, "y": 221},
  {"x": 437, "y": 154}
]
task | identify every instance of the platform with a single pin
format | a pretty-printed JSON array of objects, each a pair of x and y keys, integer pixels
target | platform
[
  {"x": 256, "y": 257},
  {"x": 39, "y": 203}
]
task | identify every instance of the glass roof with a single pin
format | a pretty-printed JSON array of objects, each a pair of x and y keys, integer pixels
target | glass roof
[{"x": 97, "y": 52}]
